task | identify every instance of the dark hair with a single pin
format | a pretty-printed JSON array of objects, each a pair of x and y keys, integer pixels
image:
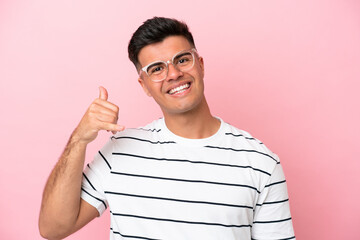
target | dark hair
[{"x": 155, "y": 30}]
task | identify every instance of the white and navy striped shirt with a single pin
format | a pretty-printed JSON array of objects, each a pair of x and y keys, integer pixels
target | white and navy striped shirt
[{"x": 162, "y": 186}]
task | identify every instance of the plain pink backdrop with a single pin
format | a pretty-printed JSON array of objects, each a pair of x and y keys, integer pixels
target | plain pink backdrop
[{"x": 286, "y": 71}]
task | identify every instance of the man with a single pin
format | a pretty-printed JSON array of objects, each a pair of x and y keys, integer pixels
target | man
[{"x": 188, "y": 175}]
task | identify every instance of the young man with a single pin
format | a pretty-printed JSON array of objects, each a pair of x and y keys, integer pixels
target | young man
[{"x": 188, "y": 175}]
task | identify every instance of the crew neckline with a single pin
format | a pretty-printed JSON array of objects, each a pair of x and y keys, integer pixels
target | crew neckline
[{"x": 195, "y": 142}]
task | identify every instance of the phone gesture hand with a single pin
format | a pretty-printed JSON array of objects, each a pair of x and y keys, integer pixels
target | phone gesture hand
[{"x": 101, "y": 115}]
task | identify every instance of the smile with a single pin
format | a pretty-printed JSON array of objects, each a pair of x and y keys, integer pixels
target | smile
[{"x": 179, "y": 89}]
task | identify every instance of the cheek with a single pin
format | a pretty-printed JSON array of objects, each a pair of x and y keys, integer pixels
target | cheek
[
  {"x": 199, "y": 72},
  {"x": 199, "y": 76},
  {"x": 148, "y": 93},
  {"x": 154, "y": 89},
  {"x": 146, "y": 88}
]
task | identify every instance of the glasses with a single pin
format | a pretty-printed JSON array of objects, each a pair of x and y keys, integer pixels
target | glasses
[{"x": 183, "y": 61}]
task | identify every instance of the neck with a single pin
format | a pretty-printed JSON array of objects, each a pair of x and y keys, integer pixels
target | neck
[{"x": 195, "y": 124}]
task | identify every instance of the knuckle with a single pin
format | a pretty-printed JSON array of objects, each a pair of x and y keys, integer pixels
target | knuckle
[
  {"x": 92, "y": 107},
  {"x": 91, "y": 114}
]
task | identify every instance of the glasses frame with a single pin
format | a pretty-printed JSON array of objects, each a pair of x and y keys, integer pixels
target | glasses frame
[{"x": 192, "y": 51}]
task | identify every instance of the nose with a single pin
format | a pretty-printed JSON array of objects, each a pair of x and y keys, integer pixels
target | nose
[{"x": 173, "y": 72}]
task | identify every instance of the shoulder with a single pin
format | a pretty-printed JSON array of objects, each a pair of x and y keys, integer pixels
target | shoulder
[
  {"x": 242, "y": 140},
  {"x": 240, "y": 135}
]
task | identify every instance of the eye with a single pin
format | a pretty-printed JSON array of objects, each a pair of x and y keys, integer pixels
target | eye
[
  {"x": 155, "y": 68},
  {"x": 183, "y": 59}
]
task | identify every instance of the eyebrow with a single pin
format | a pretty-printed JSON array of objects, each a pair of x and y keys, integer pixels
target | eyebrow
[
  {"x": 155, "y": 64},
  {"x": 182, "y": 54}
]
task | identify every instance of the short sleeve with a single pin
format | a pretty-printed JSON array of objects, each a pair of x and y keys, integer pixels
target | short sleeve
[
  {"x": 272, "y": 218},
  {"x": 94, "y": 178}
]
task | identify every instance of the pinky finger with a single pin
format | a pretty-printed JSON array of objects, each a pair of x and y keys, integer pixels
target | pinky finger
[
  {"x": 112, "y": 127},
  {"x": 122, "y": 128}
]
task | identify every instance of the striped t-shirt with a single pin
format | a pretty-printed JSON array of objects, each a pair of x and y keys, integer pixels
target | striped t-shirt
[{"x": 158, "y": 185}]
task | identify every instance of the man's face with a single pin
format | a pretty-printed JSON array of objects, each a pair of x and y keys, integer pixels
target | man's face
[{"x": 190, "y": 82}]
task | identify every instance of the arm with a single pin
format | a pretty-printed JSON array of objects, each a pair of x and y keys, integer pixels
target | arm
[
  {"x": 62, "y": 210},
  {"x": 272, "y": 218}
]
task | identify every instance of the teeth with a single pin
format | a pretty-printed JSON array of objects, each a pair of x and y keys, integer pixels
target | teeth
[{"x": 180, "y": 88}]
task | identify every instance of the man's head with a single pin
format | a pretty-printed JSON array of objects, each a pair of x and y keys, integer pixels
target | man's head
[
  {"x": 155, "y": 30},
  {"x": 170, "y": 69}
]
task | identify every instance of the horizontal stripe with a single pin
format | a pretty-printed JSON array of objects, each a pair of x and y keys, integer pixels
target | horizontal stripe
[
  {"x": 179, "y": 221},
  {"x": 89, "y": 181},
  {"x": 293, "y": 237},
  {"x": 277, "y": 238},
  {"x": 151, "y": 130},
  {"x": 179, "y": 200},
  {"x": 275, "y": 202},
  {"x": 186, "y": 180},
  {"x": 128, "y": 236},
  {"x": 271, "y": 184},
  {"x": 105, "y": 160},
  {"x": 190, "y": 161},
  {"x": 241, "y": 135},
  {"x": 274, "y": 221},
  {"x": 94, "y": 197},
  {"x": 242, "y": 150},
  {"x": 143, "y": 140}
]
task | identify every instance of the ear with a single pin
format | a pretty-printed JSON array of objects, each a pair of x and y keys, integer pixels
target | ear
[
  {"x": 144, "y": 87},
  {"x": 201, "y": 63}
]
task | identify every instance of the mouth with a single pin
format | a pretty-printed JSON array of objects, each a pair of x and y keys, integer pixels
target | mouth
[{"x": 179, "y": 89}]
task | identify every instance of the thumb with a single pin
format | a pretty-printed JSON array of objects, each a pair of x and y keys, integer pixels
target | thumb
[{"x": 103, "y": 94}]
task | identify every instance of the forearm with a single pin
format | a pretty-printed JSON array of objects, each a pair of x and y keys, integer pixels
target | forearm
[
  {"x": 61, "y": 197},
  {"x": 62, "y": 211}
]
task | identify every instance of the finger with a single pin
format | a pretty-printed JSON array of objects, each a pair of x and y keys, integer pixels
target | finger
[
  {"x": 111, "y": 127},
  {"x": 101, "y": 110},
  {"x": 107, "y": 118},
  {"x": 103, "y": 94},
  {"x": 107, "y": 104},
  {"x": 122, "y": 128}
]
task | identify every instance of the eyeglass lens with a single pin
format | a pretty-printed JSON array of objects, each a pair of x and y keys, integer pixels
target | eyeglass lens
[{"x": 158, "y": 71}]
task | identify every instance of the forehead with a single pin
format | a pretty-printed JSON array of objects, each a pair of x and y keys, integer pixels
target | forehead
[{"x": 164, "y": 50}]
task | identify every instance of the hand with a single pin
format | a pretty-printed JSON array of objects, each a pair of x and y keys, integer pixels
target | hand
[{"x": 101, "y": 115}]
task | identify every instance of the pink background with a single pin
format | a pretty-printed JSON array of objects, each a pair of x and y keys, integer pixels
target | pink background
[{"x": 286, "y": 71}]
